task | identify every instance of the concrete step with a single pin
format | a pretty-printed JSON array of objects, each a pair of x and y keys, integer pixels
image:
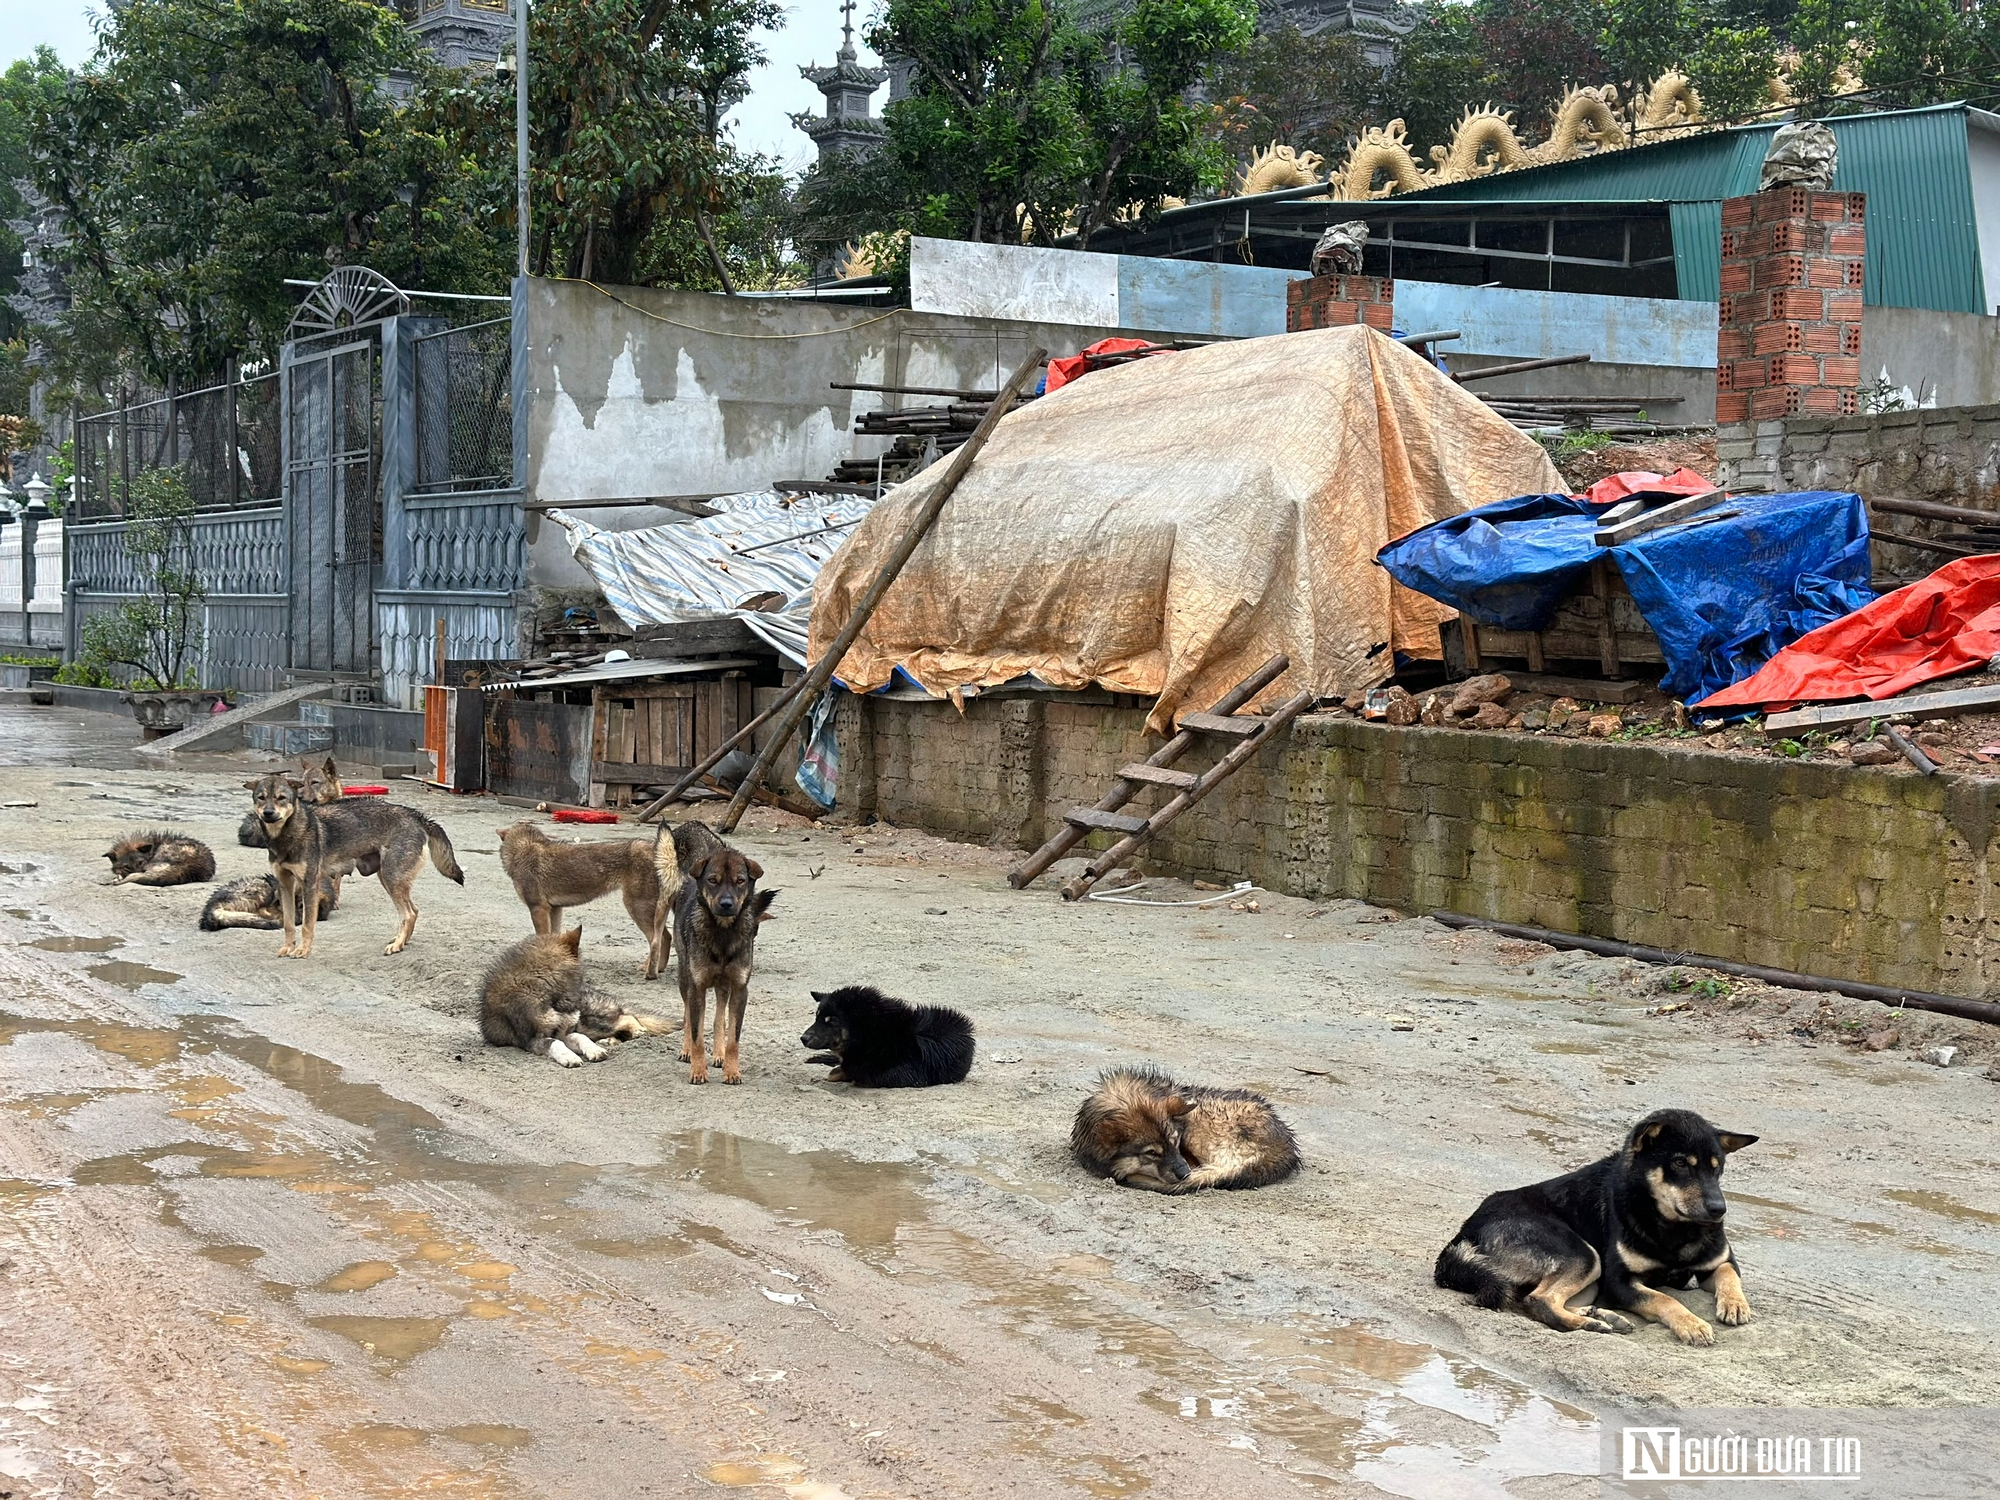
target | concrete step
[{"x": 290, "y": 739}]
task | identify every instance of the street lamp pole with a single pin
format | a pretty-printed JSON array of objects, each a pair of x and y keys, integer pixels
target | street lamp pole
[{"x": 521, "y": 129}]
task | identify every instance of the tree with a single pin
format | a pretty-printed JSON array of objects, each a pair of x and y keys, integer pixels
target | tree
[
  {"x": 1537, "y": 51},
  {"x": 630, "y": 168},
  {"x": 155, "y": 633},
  {"x": 1022, "y": 126},
  {"x": 208, "y": 151},
  {"x": 1440, "y": 68},
  {"x": 1308, "y": 92}
]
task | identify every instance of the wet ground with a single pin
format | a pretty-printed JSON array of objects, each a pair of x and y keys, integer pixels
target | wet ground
[{"x": 290, "y": 1229}]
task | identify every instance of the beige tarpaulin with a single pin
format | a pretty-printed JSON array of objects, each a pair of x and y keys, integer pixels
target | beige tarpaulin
[{"x": 1164, "y": 527}]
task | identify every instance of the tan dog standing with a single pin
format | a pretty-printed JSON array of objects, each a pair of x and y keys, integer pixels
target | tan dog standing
[{"x": 551, "y": 877}]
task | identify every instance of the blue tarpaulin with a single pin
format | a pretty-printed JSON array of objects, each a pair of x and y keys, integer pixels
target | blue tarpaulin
[{"x": 1723, "y": 592}]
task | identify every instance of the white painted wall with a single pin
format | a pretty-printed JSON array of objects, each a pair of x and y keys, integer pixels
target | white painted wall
[{"x": 1982, "y": 143}]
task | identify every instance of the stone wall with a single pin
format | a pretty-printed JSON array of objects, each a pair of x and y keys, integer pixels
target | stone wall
[{"x": 1874, "y": 875}]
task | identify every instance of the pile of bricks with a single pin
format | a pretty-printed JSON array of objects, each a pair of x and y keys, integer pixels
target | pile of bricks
[
  {"x": 1789, "y": 341},
  {"x": 1340, "y": 302}
]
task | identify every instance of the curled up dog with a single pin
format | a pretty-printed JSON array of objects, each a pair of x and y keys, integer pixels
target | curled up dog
[
  {"x": 306, "y": 843},
  {"x": 160, "y": 857},
  {"x": 716, "y": 915},
  {"x": 1648, "y": 1216},
  {"x": 254, "y": 903},
  {"x": 1143, "y": 1130},
  {"x": 534, "y": 997}
]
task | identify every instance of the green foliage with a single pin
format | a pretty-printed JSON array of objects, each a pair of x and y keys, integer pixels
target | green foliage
[
  {"x": 627, "y": 155},
  {"x": 1020, "y": 126},
  {"x": 210, "y": 151},
  {"x": 1440, "y": 68},
  {"x": 23, "y": 84},
  {"x": 31, "y": 661},
  {"x": 85, "y": 671},
  {"x": 155, "y": 634},
  {"x": 1708, "y": 987},
  {"x": 1308, "y": 92}
]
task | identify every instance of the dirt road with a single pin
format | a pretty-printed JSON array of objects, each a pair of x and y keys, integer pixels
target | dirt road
[{"x": 289, "y": 1229}]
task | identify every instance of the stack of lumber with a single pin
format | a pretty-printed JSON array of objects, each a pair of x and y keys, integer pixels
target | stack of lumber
[{"x": 1623, "y": 417}]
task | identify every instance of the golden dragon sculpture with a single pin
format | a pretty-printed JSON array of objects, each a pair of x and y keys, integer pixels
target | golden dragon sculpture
[{"x": 1586, "y": 122}]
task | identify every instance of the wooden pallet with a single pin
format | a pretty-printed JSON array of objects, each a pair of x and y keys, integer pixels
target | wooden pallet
[{"x": 1250, "y": 731}]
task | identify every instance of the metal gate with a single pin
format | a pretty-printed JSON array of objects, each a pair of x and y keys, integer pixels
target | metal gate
[{"x": 333, "y": 503}]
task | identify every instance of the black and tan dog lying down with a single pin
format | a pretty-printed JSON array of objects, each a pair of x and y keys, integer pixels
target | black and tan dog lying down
[{"x": 1646, "y": 1217}]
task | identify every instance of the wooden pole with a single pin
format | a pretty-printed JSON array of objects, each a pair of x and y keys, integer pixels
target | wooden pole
[{"x": 821, "y": 672}]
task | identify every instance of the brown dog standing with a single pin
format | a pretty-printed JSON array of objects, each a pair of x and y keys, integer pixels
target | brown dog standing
[{"x": 715, "y": 927}]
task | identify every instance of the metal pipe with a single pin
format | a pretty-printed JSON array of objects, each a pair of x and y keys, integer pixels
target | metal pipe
[
  {"x": 1520, "y": 367},
  {"x": 1947, "y": 1005},
  {"x": 1931, "y": 510},
  {"x": 1429, "y": 338}
]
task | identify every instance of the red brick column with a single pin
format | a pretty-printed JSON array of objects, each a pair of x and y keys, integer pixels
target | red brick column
[
  {"x": 1340, "y": 302},
  {"x": 1789, "y": 341}
]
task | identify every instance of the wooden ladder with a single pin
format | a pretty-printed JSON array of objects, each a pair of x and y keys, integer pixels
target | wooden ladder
[{"x": 1250, "y": 731}]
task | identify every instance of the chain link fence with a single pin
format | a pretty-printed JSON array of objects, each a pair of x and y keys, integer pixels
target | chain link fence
[
  {"x": 225, "y": 438},
  {"x": 465, "y": 408}
]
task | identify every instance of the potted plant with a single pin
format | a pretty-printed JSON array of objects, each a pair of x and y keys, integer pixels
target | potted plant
[{"x": 154, "y": 635}]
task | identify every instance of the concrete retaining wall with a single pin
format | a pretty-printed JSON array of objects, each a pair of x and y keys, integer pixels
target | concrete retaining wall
[{"x": 1851, "y": 873}]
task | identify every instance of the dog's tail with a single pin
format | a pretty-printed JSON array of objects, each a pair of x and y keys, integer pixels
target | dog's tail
[
  {"x": 651, "y": 1025},
  {"x": 1463, "y": 1267},
  {"x": 442, "y": 854}
]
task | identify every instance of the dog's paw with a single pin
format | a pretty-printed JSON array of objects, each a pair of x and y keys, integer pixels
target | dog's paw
[
  {"x": 729, "y": 1077},
  {"x": 701, "y": 1077},
  {"x": 684, "y": 1056},
  {"x": 286, "y": 951},
  {"x": 1604, "y": 1320},
  {"x": 395, "y": 947},
  {"x": 1693, "y": 1332},
  {"x": 585, "y": 1048},
  {"x": 1732, "y": 1308},
  {"x": 562, "y": 1057}
]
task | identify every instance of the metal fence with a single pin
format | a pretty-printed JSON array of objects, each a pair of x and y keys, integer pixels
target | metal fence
[
  {"x": 225, "y": 438},
  {"x": 464, "y": 382}
]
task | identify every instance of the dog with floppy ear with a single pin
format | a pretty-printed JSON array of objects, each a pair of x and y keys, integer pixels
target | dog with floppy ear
[
  {"x": 716, "y": 916},
  {"x": 1647, "y": 1216}
]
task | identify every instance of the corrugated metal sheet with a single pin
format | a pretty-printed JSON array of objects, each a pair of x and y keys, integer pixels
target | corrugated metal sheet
[
  {"x": 1923, "y": 241},
  {"x": 1698, "y": 249}
]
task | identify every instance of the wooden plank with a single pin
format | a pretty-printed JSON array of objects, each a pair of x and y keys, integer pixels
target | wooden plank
[
  {"x": 1108, "y": 822},
  {"x": 1158, "y": 776},
  {"x": 1536, "y": 661},
  {"x": 1583, "y": 689},
  {"x": 1607, "y": 631},
  {"x": 1933, "y": 705},
  {"x": 708, "y": 730},
  {"x": 1468, "y": 633},
  {"x": 537, "y": 749},
  {"x": 626, "y": 746},
  {"x": 1235, "y": 726},
  {"x": 1656, "y": 519},
  {"x": 1932, "y": 510},
  {"x": 1632, "y": 648},
  {"x": 685, "y": 638},
  {"x": 635, "y": 773}
]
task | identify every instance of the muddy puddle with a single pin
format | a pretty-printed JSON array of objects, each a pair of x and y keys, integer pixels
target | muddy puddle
[
  {"x": 1321, "y": 1398},
  {"x": 1264, "y": 1387}
]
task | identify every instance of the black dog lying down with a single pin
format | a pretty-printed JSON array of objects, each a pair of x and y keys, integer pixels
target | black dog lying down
[
  {"x": 874, "y": 1042},
  {"x": 1649, "y": 1216}
]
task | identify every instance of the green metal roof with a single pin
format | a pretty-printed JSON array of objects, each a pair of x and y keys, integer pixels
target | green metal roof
[{"x": 1923, "y": 242}]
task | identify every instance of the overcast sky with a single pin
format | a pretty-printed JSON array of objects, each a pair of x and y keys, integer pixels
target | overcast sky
[{"x": 810, "y": 33}]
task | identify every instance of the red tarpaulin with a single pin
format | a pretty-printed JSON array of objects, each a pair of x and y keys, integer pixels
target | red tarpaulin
[
  {"x": 1682, "y": 481},
  {"x": 1942, "y": 624},
  {"x": 1062, "y": 371}
]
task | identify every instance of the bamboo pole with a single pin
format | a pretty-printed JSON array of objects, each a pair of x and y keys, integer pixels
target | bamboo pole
[{"x": 821, "y": 672}]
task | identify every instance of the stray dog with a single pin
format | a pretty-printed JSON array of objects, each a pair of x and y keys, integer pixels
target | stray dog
[
  {"x": 716, "y": 915},
  {"x": 1647, "y": 1216},
  {"x": 550, "y": 877},
  {"x": 1143, "y": 1130},
  {"x": 319, "y": 785},
  {"x": 874, "y": 1042},
  {"x": 160, "y": 857},
  {"x": 534, "y": 997},
  {"x": 308, "y": 842},
  {"x": 254, "y": 903}
]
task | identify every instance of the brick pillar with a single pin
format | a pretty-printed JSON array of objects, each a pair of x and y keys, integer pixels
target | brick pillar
[
  {"x": 1789, "y": 340},
  {"x": 1340, "y": 302}
]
